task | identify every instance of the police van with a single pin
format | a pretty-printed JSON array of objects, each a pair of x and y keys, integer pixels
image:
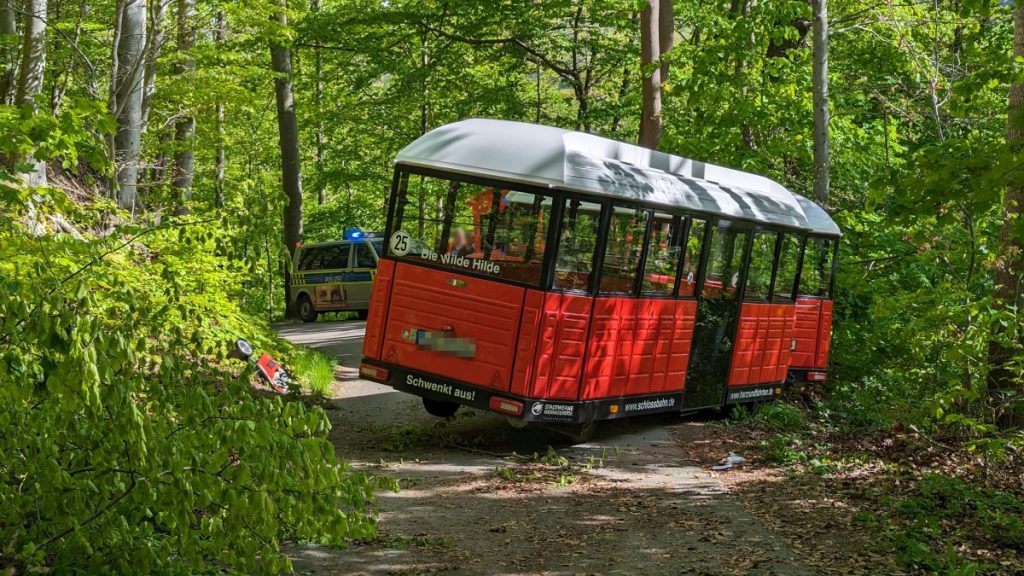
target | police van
[{"x": 335, "y": 276}]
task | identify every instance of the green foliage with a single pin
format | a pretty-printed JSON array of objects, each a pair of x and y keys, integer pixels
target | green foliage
[
  {"x": 129, "y": 443},
  {"x": 937, "y": 504}
]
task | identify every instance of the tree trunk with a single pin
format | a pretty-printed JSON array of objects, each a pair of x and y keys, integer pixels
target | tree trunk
[
  {"x": 156, "y": 44},
  {"x": 819, "y": 81},
  {"x": 185, "y": 128},
  {"x": 9, "y": 37},
  {"x": 321, "y": 190},
  {"x": 218, "y": 36},
  {"x": 33, "y": 69},
  {"x": 650, "y": 109},
  {"x": 666, "y": 37},
  {"x": 291, "y": 176},
  {"x": 127, "y": 99},
  {"x": 1005, "y": 383}
]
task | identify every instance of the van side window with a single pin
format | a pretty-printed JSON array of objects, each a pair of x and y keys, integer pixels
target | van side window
[
  {"x": 336, "y": 257},
  {"x": 310, "y": 259},
  {"x": 622, "y": 251},
  {"x": 364, "y": 256}
]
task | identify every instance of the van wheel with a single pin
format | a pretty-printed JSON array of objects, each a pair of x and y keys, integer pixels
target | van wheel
[
  {"x": 306, "y": 311},
  {"x": 362, "y": 314},
  {"x": 440, "y": 408}
]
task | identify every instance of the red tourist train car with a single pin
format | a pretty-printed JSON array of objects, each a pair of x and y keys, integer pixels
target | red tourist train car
[{"x": 559, "y": 277}]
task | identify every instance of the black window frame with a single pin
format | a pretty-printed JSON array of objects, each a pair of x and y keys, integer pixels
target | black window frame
[
  {"x": 404, "y": 172},
  {"x": 560, "y": 198},
  {"x": 774, "y": 268}
]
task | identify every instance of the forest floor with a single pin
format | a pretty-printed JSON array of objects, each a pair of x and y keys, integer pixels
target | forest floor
[{"x": 480, "y": 498}]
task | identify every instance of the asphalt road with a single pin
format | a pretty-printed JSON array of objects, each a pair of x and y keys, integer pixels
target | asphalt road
[{"x": 632, "y": 502}]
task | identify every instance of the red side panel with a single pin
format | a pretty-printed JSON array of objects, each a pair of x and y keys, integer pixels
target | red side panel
[
  {"x": 805, "y": 332},
  {"x": 813, "y": 333},
  {"x": 483, "y": 311},
  {"x": 526, "y": 348},
  {"x": 561, "y": 345},
  {"x": 378, "y": 309},
  {"x": 638, "y": 347},
  {"x": 610, "y": 348},
  {"x": 824, "y": 335},
  {"x": 762, "y": 351}
]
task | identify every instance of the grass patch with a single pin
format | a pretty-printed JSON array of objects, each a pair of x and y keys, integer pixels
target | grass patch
[{"x": 314, "y": 371}]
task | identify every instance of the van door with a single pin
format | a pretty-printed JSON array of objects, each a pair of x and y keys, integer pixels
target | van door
[
  {"x": 718, "y": 308},
  {"x": 361, "y": 275}
]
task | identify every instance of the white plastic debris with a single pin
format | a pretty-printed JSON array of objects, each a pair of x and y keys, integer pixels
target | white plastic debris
[{"x": 731, "y": 461}]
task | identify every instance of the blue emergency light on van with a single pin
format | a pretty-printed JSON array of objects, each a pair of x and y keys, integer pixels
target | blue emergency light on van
[{"x": 353, "y": 234}]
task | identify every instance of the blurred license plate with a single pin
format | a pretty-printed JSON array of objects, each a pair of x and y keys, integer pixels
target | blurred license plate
[{"x": 460, "y": 347}]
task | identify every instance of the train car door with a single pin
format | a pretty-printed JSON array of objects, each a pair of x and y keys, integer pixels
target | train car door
[{"x": 718, "y": 307}]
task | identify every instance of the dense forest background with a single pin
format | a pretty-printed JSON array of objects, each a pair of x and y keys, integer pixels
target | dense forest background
[{"x": 161, "y": 156}]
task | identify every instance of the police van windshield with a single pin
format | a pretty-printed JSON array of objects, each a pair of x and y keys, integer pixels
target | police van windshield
[{"x": 485, "y": 230}]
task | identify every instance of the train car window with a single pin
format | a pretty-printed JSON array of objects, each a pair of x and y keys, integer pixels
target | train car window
[
  {"x": 664, "y": 249},
  {"x": 762, "y": 260},
  {"x": 816, "y": 274},
  {"x": 785, "y": 276},
  {"x": 622, "y": 250},
  {"x": 725, "y": 263},
  {"x": 578, "y": 239},
  {"x": 691, "y": 262},
  {"x": 488, "y": 230}
]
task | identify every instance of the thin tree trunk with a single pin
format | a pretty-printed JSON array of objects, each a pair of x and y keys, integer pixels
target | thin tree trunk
[
  {"x": 156, "y": 44},
  {"x": 33, "y": 70},
  {"x": 291, "y": 175},
  {"x": 62, "y": 78},
  {"x": 819, "y": 81},
  {"x": 130, "y": 53},
  {"x": 33, "y": 53},
  {"x": 666, "y": 37},
  {"x": 1004, "y": 380},
  {"x": 8, "y": 35},
  {"x": 218, "y": 36},
  {"x": 650, "y": 109},
  {"x": 185, "y": 128},
  {"x": 321, "y": 190}
]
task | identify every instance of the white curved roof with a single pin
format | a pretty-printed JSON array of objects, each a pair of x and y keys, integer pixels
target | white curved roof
[{"x": 557, "y": 158}]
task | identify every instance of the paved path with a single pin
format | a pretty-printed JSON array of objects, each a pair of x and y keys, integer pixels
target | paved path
[{"x": 634, "y": 503}]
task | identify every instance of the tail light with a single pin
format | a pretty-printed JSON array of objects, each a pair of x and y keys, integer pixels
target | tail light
[
  {"x": 506, "y": 405},
  {"x": 817, "y": 376},
  {"x": 375, "y": 373}
]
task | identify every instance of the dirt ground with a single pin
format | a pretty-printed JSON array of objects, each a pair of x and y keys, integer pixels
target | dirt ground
[{"x": 478, "y": 497}]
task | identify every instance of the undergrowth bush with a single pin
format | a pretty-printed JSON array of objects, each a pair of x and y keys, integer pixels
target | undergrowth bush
[{"x": 128, "y": 442}]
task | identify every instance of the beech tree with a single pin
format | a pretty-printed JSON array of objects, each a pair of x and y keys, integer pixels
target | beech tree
[
  {"x": 126, "y": 97},
  {"x": 288, "y": 133}
]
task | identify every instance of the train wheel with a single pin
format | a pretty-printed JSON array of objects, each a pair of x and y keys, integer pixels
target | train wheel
[
  {"x": 440, "y": 408},
  {"x": 580, "y": 433},
  {"x": 306, "y": 311},
  {"x": 516, "y": 423}
]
